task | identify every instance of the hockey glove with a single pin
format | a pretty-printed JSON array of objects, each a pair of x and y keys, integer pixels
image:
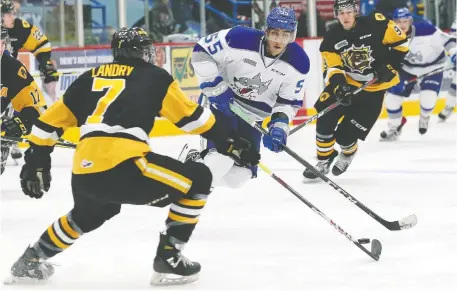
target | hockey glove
[
  {"x": 36, "y": 173},
  {"x": 240, "y": 150},
  {"x": 344, "y": 94},
  {"x": 48, "y": 70},
  {"x": 14, "y": 127},
  {"x": 385, "y": 74},
  {"x": 219, "y": 95},
  {"x": 278, "y": 129}
]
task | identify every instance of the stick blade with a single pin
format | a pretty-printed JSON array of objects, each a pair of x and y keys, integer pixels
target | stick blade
[
  {"x": 408, "y": 222},
  {"x": 376, "y": 249}
]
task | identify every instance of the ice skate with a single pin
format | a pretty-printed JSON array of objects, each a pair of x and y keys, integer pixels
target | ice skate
[
  {"x": 30, "y": 268},
  {"x": 445, "y": 113},
  {"x": 342, "y": 163},
  {"x": 423, "y": 124},
  {"x": 5, "y": 151},
  {"x": 393, "y": 132},
  {"x": 322, "y": 166},
  {"x": 171, "y": 267}
]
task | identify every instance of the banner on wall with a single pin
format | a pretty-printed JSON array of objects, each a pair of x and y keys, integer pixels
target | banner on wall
[
  {"x": 181, "y": 68},
  {"x": 76, "y": 59}
]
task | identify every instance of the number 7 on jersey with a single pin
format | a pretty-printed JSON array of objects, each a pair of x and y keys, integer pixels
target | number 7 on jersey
[{"x": 115, "y": 88}]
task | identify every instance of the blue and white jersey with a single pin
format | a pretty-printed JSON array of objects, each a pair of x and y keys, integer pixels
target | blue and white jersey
[
  {"x": 427, "y": 49},
  {"x": 262, "y": 85}
]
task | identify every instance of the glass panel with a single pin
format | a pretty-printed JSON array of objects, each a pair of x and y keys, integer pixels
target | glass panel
[{"x": 100, "y": 21}]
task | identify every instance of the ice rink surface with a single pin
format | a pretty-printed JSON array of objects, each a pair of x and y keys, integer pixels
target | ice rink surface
[{"x": 261, "y": 237}]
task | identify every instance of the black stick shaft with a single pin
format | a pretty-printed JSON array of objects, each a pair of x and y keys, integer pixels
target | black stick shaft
[
  {"x": 329, "y": 108},
  {"x": 317, "y": 211}
]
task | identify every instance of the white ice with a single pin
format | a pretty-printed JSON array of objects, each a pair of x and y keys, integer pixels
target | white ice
[{"x": 263, "y": 238}]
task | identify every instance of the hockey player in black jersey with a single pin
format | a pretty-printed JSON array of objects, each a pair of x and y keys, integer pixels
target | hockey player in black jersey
[
  {"x": 356, "y": 50},
  {"x": 27, "y": 36},
  {"x": 20, "y": 93},
  {"x": 116, "y": 105}
]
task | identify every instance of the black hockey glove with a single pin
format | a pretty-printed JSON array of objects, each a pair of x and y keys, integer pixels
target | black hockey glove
[
  {"x": 36, "y": 173},
  {"x": 49, "y": 72},
  {"x": 240, "y": 150},
  {"x": 385, "y": 73},
  {"x": 344, "y": 94},
  {"x": 14, "y": 127}
]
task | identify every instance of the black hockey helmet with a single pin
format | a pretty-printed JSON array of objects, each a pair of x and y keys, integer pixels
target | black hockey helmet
[
  {"x": 344, "y": 4},
  {"x": 7, "y": 6},
  {"x": 133, "y": 43}
]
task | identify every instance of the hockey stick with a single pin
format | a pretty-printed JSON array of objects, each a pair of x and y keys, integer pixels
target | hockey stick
[
  {"x": 60, "y": 143},
  {"x": 404, "y": 223},
  {"x": 330, "y": 107},
  {"x": 204, "y": 102},
  {"x": 376, "y": 246},
  {"x": 406, "y": 82}
]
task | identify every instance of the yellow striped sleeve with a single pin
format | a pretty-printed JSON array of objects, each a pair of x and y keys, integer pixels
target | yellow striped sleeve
[
  {"x": 59, "y": 116},
  {"x": 393, "y": 36},
  {"x": 184, "y": 113},
  {"x": 37, "y": 42}
]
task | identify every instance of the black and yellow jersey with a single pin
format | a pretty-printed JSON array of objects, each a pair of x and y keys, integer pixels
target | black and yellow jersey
[
  {"x": 116, "y": 105},
  {"x": 19, "y": 89},
  {"x": 374, "y": 41},
  {"x": 29, "y": 37}
]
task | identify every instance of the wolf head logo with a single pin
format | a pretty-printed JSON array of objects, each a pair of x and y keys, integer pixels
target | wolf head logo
[{"x": 250, "y": 87}]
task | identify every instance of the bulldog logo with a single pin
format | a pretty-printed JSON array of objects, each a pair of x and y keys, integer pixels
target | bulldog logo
[{"x": 358, "y": 59}]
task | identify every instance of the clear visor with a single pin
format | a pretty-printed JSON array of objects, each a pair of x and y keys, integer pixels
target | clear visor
[
  {"x": 149, "y": 55},
  {"x": 280, "y": 35}
]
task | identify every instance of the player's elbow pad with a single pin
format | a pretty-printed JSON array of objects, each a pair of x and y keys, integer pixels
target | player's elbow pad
[{"x": 28, "y": 116}]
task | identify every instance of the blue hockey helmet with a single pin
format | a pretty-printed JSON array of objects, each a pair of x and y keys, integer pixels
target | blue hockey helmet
[
  {"x": 402, "y": 13},
  {"x": 283, "y": 18}
]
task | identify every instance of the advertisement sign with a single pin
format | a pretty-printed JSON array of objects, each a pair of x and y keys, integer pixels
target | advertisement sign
[
  {"x": 181, "y": 68},
  {"x": 73, "y": 59}
]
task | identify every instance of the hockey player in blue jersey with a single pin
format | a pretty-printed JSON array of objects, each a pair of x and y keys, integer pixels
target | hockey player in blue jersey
[
  {"x": 451, "y": 98},
  {"x": 263, "y": 73},
  {"x": 428, "y": 48}
]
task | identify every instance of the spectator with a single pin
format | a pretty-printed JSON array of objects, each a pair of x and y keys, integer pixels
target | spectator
[
  {"x": 302, "y": 27},
  {"x": 179, "y": 9},
  {"x": 161, "y": 21}
]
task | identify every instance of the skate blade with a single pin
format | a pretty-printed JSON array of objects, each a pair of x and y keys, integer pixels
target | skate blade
[
  {"x": 171, "y": 279},
  {"x": 13, "y": 280}
]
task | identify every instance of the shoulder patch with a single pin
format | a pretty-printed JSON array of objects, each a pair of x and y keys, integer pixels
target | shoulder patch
[
  {"x": 379, "y": 17},
  {"x": 25, "y": 24},
  {"x": 241, "y": 37},
  {"x": 424, "y": 28},
  {"x": 4, "y": 92},
  {"x": 296, "y": 57},
  {"x": 22, "y": 72}
]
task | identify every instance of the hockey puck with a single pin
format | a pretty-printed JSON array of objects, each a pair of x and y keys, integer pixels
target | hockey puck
[{"x": 364, "y": 241}]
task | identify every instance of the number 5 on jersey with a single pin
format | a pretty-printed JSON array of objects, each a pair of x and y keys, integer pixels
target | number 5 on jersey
[{"x": 115, "y": 88}]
